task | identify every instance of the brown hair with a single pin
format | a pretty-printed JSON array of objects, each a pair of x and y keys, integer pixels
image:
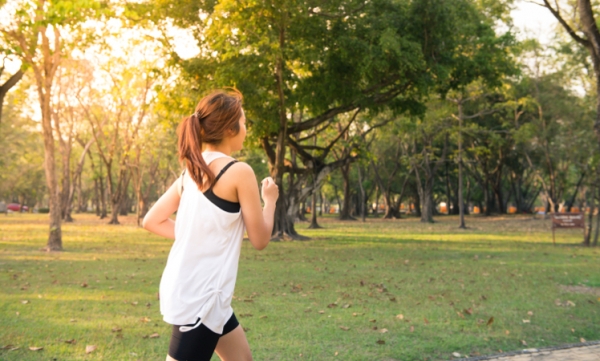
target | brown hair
[{"x": 216, "y": 113}]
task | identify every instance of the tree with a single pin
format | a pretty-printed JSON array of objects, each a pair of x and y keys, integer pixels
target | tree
[
  {"x": 36, "y": 36},
  {"x": 68, "y": 124},
  {"x": 583, "y": 29},
  {"x": 315, "y": 63},
  {"x": 116, "y": 118}
]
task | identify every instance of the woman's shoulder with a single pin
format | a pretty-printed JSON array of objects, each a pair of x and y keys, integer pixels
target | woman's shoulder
[{"x": 242, "y": 168}]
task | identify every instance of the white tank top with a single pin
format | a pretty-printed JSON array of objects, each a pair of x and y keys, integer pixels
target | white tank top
[{"x": 199, "y": 278}]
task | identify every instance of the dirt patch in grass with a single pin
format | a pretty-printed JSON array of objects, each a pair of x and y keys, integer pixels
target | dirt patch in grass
[{"x": 581, "y": 289}]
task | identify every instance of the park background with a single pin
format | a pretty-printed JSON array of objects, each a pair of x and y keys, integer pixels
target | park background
[{"x": 419, "y": 147}]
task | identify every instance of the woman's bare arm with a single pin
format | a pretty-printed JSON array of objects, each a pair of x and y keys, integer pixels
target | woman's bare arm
[
  {"x": 157, "y": 219},
  {"x": 258, "y": 221}
]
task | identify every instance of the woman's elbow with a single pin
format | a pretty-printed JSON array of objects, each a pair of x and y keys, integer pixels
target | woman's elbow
[
  {"x": 146, "y": 223},
  {"x": 261, "y": 244}
]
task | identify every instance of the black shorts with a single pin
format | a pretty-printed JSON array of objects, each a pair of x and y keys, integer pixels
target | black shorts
[{"x": 198, "y": 344}]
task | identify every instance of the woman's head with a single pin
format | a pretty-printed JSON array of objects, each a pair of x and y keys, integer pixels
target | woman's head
[{"x": 217, "y": 118}]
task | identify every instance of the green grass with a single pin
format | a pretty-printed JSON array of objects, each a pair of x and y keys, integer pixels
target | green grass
[{"x": 294, "y": 297}]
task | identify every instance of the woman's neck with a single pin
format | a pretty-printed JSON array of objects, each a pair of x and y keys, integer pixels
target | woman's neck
[{"x": 221, "y": 148}]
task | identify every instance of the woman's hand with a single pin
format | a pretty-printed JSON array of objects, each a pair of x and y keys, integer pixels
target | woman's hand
[{"x": 269, "y": 191}]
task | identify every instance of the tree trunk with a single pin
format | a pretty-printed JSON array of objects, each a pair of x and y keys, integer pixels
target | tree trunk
[
  {"x": 488, "y": 200},
  {"x": 588, "y": 231},
  {"x": 572, "y": 200},
  {"x": 427, "y": 202},
  {"x": 96, "y": 201},
  {"x": 461, "y": 202},
  {"x": 322, "y": 203},
  {"x": 114, "y": 212},
  {"x": 345, "y": 210},
  {"x": 313, "y": 209},
  {"x": 597, "y": 232},
  {"x": 362, "y": 195},
  {"x": 125, "y": 204},
  {"x": 376, "y": 209},
  {"x": 417, "y": 204},
  {"x": 55, "y": 234},
  {"x": 390, "y": 209},
  {"x": 103, "y": 205}
]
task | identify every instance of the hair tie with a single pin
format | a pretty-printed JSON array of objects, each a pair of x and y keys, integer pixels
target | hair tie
[{"x": 197, "y": 116}]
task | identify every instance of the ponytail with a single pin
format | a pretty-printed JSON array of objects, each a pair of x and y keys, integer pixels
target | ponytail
[
  {"x": 190, "y": 135},
  {"x": 215, "y": 115}
]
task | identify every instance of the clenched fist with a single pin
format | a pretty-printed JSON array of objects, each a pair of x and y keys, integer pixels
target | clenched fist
[{"x": 269, "y": 191}]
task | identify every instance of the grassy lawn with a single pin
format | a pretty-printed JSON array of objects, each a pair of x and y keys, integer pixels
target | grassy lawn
[{"x": 335, "y": 297}]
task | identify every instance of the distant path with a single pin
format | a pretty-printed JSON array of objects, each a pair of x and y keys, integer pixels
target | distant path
[{"x": 587, "y": 351}]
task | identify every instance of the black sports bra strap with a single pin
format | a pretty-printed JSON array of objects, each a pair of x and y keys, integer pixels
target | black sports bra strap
[
  {"x": 182, "y": 174},
  {"x": 223, "y": 171}
]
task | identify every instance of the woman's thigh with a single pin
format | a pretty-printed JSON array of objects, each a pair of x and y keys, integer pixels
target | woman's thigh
[{"x": 234, "y": 346}]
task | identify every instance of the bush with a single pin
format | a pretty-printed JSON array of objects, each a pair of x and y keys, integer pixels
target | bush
[{"x": 44, "y": 210}]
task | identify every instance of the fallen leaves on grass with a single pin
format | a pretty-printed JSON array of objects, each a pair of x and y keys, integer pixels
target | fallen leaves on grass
[
  {"x": 526, "y": 321},
  {"x": 145, "y": 319},
  {"x": 400, "y": 316},
  {"x": 412, "y": 328},
  {"x": 460, "y": 314},
  {"x": 524, "y": 343},
  {"x": 154, "y": 335},
  {"x": 490, "y": 321},
  {"x": 117, "y": 329},
  {"x": 426, "y": 321},
  {"x": 332, "y": 305},
  {"x": 456, "y": 354},
  {"x": 35, "y": 348},
  {"x": 384, "y": 330},
  {"x": 529, "y": 313},
  {"x": 90, "y": 348},
  {"x": 71, "y": 341},
  {"x": 25, "y": 302},
  {"x": 582, "y": 339},
  {"x": 347, "y": 305},
  {"x": 468, "y": 311},
  {"x": 344, "y": 328},
  {"x": 84, "y": 284},
  {"x": 373, "y": 320},
  {"x": 380, "y": 342}
]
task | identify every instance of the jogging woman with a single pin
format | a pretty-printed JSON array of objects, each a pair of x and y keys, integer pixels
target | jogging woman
[{"x": 216, "y": 198}]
